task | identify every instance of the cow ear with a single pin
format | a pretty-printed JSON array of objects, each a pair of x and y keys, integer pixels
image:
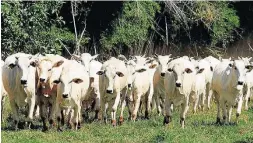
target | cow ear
[
  {"x": 211, "y": 68},
  {"x": 201, "y": 70},
  {"x": 100, "y": 73},
  {"x": 155, "y": 56},
  {"x": 120, "y": 74},
  {"x": 95, "y": 56},
  {"x": 11, "y": 66},
  {"x": 16, "y": 58},
  {"x": 188, "y": 70},
  {"x": 34, "y": 63},
  {"x": 77, "y": 80},
  {"x": 249, "y": 58},
  {"x": 152, "y": 66},
  {"x": 30, "y": 57},
  {"x": 59, "y": 63},
  {"x": 249, "y": 67},
  {"x": 239, "y": 58},
  {"x": 141, "y": 70}
]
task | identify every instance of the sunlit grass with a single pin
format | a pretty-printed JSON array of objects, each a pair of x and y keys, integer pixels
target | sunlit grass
[{"x": 200, "y": 127}]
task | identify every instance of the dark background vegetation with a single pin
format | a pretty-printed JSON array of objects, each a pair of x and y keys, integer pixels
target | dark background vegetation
[{"x": 180, "y": 28}]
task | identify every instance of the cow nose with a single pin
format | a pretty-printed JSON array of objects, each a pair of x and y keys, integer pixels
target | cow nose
[
  {"x": 162, "y": 74},
  {"x": 129, "y": 85},
  {"x": 109, "y": 91},
  {"x": 65, "y": 95},
  {"x": 240, "y": 83},
  {"x": 23, "y": 81},
  {"x": 178, "y": 84},
  {"x": 42, "y": 79}
]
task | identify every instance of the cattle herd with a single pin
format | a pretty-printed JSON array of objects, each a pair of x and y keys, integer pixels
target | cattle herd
[{"x": 60, "y": 90}]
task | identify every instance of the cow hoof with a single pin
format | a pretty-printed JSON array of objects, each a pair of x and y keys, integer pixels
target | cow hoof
[
  {"x": 166, "y": 120},
  {"x": 45, "y": 129},
  {"x": 59, "y": 129},
  {"x": 218, "y": 121},
  {"x": 121, "y": 120},
  {"x": 113, "y": 123}
]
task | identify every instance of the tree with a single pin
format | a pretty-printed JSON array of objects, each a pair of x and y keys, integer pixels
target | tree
[
  {"x": 33, "y": 27},
  {"x": 131, "y": 28}
]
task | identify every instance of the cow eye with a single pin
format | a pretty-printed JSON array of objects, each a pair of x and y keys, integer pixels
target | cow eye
[
  {"x": 235, "y": 68},
  {"x": 170, "y": 70},
  {"x": 49, "y": 69},
  {"x": 56, "y": 81}
]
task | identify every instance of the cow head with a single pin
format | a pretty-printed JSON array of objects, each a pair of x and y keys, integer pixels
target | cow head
[
  {"x": 26, "y": 64},
  {"x": 111, "y": 74},
  {"x": 163, "y": 62}
]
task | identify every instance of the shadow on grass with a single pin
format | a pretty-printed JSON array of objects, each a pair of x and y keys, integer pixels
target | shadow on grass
[{"x": 205, "y": 123}]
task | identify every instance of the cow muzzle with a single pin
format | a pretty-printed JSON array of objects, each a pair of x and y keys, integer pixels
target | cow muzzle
[
  {"x": 240, "y": 83},
  {"x": 162, "y": 74},
  {"x": 178, "y": 84},
  {"x": 24, "y": 83},
  {"x": 109, "y": 91},
  {"x": 65, "y": 95},
  {"x": 42, "y": 80}
]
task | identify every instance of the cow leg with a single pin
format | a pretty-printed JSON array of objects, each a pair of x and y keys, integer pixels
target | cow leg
[
  {"x": 239, "y": 108},
  {"x": 229, "y": 113},
  {"x": 224, "y": 111},
  {"x": 247, "y": 98},
  {"x": 202, "y": 103},
  {"x": 59, "y": 117},
  {"x": 158, "y": 104},
  {"x": 121, "y": 119},
  {"x": 115, "y": 106},
  {"x": 195, "y": 103},
  {"x": 150, "y": 96},
  {"x": 184, "y": 110},
  {"x": 52, "y": 111},
  {"x": 136, "y": 107},
  {"x": 43, "y": 113},
  {"x": 97, "y": 106},
  {"x": 209, "y": 98},
  {"x": 168, "y": 111},
  {"x": 75, "y": 118},
  {"x": 2, "y": 103},
  {"x": 31, "y": 110},
  {"x": 14, "y": 109},
  {"x": 104, "y": 110}
]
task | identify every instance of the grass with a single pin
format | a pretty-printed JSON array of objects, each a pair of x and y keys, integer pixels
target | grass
[{"x": 200, "y": 127}]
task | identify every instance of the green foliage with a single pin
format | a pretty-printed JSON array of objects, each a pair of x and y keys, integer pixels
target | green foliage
[
  {"x": 225, "y": 24},
  {"x": 218, "y": 18},
  {"x": 132, "y": 27},
  {"x": 31, "y": 27}
]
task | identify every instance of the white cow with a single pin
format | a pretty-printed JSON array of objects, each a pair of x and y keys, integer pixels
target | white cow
[
  {"x": 213, "y": 62},
  {"x": 158, "y": 80},
  {"x": 46, "y": 91},
  {"x": 3, "y": 91},
  {"x": 112, "y": 82},
  {"x": 198, "y": 94},
  {"x": 139, "y": 88},
  {"x": 92, "y": 67},
  {"x": 72, "y": 89},
  {"x": 85, "y": 58},
  {"x": 178, "y": 82},
  {"x": 19, "y": 81},
  {"x": 206, "y": 69},
  {"x": 93, "y": 92},
  {"x": 227, "y": 86},
  {"x": 248, "y": 87}
]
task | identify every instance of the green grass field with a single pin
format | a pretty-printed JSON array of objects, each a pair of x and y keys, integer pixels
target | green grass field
[{"x": 200, "y": 127}]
